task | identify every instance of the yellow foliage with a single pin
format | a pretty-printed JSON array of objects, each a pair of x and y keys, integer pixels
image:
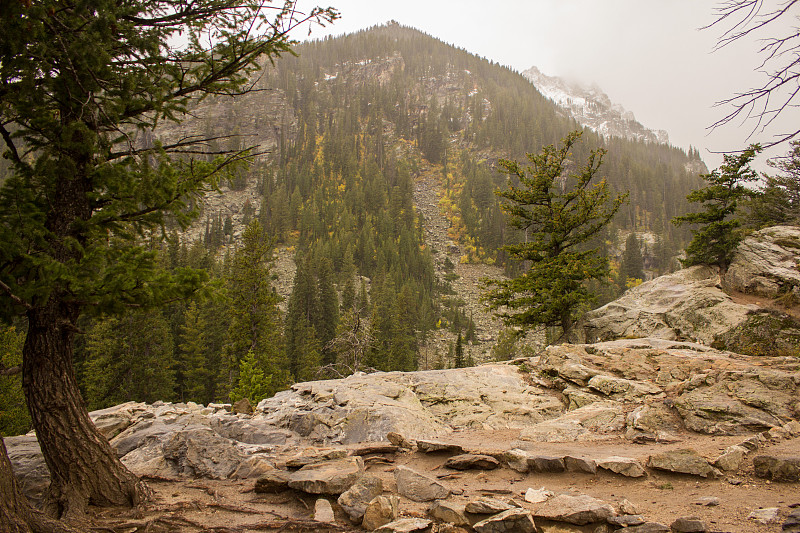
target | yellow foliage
[{"x": 632, "y": 282}]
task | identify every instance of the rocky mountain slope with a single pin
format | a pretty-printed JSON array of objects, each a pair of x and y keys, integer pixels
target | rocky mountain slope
[{"x": 592, "y": 108}]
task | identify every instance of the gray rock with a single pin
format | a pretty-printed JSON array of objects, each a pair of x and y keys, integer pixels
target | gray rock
[
  {"x": 253, "y": 467},
  {"x": 354, "y": 500},
  {"x": 28, "y": 465},
  {"x": 626, "y": 520},
  {"x": 769, "y": 515},
  {"x": 777, "y": 468},
  {"x": 513, "y": 520},
  {"x": 381, "y": 510},
  {"x": 688, "y": 524},
  {"x": 707, "y": 501},
  {"x": 516, "y": 460},
  {"x": 623, "y": 389},
  {"x": 312, "y": 456},
  {"x": 330, "y": 477},
  {"x": 273, "y": 482},
  {"x": 419, "y": 487},
  {"x": 591, "y": 422},
  {"x": 792, "y": 522},
  {"x": 250, "y": 431},
  {"x": 546, "y": 463},
  {"x": 323, "y": 512},
  {"x": 537, "y": 495},
  {"x": 648, "y": 527},
  {"x": 685, "y": 461},
  {"x": 764, "y": 263},
  {"x": 450, "y": 512},
  {"x": 404, "y": 525},
  {"x": 580, "y": 464},
  {"x": 435, "y": 446},
  {"x": 243, "y": 406},
  {"x": 625, "y": 466},
  {"x": 577, "y": 510},
  {"x": 731, "y": 458},
  {"x": 486, "y": 505},
  {"x": 398, "y": 440},
  {"x": 471, "y": 461}
]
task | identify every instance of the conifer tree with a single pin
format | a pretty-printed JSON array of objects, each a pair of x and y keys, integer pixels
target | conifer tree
[
  {"x": 719, "y": 233},
  {"x": 194, "y": 373},
  {"x": 632, "y": 266},
  {"x": 557, "y": 212},
  {"x": 87, "y": 181},
  {"x": 253, "y": 308}
]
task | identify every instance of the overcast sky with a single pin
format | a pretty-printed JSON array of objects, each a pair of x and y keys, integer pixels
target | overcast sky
[{"x": 650, "y": 56}]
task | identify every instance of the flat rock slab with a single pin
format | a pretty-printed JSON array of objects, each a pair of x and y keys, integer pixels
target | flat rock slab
[
  {"x": 486, "y": 505},
  {"x": 435, "y": 446},
  {"x": 419, "y": 487},
  {"x": 769, "y": 515},
  {"x": 323, "y": 511},
  {"x": 513, "y": 520},
  {"x": 685, "y": 461},
  {"x": 624, "y": 466},
  {"x": 546, "y": 463},
  {"x": 315, "y": 455},
  {"x": 580, "y": 464},
  {"x": 273, "y": 482},
  {"x": 777, "y": 468},
  {"x": 382, "y": 448},
  {"x": 330, "y": 477},
  {"x": 472, "y": 461},
  {"x": 648, "y": 527},
  {"x": 381, "y": 510},
  {"x": 404, "y": 525},
  {"x": 450, "y": 512},
  {"x": 577, "y": 510}
]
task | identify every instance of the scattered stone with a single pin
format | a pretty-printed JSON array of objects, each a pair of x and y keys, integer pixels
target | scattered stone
[
  {"x": 626, "y": 520},
  {"x": 753, "y": 443},
  {"x": 648, "y": 527},
  {"x": 330, "y": 477},
  {"x": 354, "y": 500},
  {"x": 273, "y": 482},
  {"x": 580, "y": 464},
  {"x": 516, "y": 460},
  {"x": 546, "y": 463},
  {"x": 516, "y": 520},
  {"x": 375, "y": 448},
  {"x": 243, "y": 406},
  {"x": 792, "y": 522},
  {"x": 312, "y": 456},
  {"x": 577, "y": 510},
  {"x": 471, "y": 461},
  {"x": 404, "y": 525},
  {"x": 777, "y": 468},
  {"x": 485, "y": 505},
  {"x": 537, "y": 495},
  {"x": 625, "y": 466},
  {"x": 792, "y": 427},
  {"x": 253, "y": 467},
  {"x": 323, "y": 512},
  {"x": 685, "y": 461},
  {"x": 381, "y": 510},
  {"x": 449, "y": 512},
  {"x": 688, "y": 524},
  {"x": 627, "y": 507},
  {"x": 419, "y": 487},
  {"x": 731, "y": 459},
  {"x": 435, "y": 446},
  {"x": 768, "y": 515},
  {"x": 398, "y": 440},
  {"x": 707, "y": 501}
]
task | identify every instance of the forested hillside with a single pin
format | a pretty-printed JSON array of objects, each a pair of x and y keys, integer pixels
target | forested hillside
[{"x": 346, "y": 127}]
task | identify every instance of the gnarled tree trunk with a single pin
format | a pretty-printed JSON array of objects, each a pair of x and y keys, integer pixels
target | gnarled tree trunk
[
  {"x": 83, "y": 467},
  {"x": 16, "y": 514}
]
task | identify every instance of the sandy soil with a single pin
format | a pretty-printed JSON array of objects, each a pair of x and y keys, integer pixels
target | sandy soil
[{"x": 233, "y": 506}]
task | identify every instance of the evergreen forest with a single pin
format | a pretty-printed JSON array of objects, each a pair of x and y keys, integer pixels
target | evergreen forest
[{"x": 345, "y": 129}]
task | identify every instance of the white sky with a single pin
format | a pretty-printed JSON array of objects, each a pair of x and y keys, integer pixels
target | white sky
[{"x": 648, "y": 55}]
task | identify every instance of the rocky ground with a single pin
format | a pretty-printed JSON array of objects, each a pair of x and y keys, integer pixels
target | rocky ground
[{"x": 578, "y": 438}]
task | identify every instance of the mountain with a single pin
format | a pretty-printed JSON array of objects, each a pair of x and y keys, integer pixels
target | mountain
[{"x": 593, "y": 109}]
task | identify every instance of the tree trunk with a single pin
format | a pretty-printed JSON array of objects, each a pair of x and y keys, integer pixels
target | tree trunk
[
  {"x": 83, "y": 467},
  {"x": 16, "y": 514}
]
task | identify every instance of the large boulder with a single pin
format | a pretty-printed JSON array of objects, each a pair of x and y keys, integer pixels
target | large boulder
[
  {"x": 765, "y": 263},
  {"x": 417, "y": 405}
]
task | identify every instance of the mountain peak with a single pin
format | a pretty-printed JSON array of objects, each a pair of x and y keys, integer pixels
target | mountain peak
[{"x": 592, "y": 108}]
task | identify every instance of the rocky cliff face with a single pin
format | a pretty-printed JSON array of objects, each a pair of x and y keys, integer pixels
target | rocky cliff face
[{"x": 592, "y": 108}]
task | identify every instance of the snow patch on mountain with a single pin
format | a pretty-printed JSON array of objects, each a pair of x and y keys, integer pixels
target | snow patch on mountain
[{"x": 592, "y": 108}]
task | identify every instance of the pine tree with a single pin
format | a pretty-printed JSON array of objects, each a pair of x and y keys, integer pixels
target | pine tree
[
  {"x": 14, "y": 418},
  {"x": 88, "y": 180},
  {"x": 719, "y": 233},
  {"x": 194, "y": 373},
  {"x": 255, "y": 324},
  {"x": 251, "y": 383},
  {"x": 632, "y": 266},
  {"x": 558, "y": 212},
  {"x": 459, "y": 352}
]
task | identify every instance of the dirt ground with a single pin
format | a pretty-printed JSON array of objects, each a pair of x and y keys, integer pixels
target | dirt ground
[{"x": 233, "y": 506}]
